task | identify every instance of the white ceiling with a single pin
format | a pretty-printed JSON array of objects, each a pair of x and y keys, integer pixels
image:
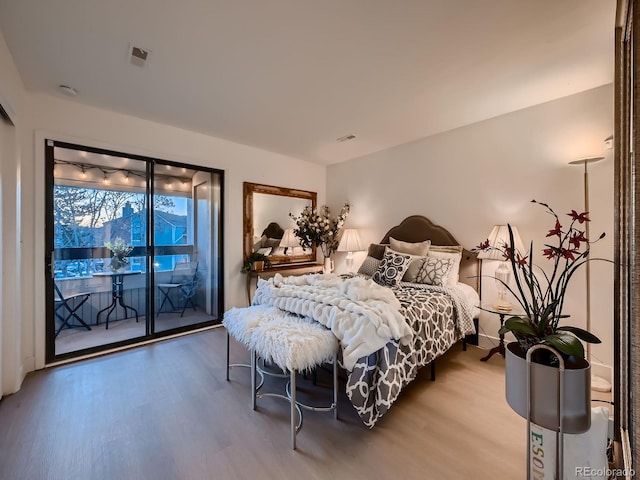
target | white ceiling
[{"x": 292, "y": 76}]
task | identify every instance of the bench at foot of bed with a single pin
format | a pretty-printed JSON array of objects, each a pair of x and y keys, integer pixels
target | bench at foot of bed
[{"x": 292, "y": 343}]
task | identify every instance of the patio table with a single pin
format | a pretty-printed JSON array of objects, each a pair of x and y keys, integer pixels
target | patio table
[{"x": 117, "y": 294}]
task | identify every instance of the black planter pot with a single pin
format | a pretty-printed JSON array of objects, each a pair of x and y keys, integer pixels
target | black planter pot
[{"x": 544, "y": 391}]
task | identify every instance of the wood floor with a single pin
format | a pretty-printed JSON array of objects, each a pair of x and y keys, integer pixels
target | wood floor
[{"x": 165, "y": 411}]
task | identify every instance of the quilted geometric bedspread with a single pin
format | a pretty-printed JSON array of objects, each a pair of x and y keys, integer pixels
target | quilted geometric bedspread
[{"x": 438, "y": 321}]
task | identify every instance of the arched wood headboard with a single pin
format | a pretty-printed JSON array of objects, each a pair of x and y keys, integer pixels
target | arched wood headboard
[
  {"x": 417, "y": 228},
  {"x": 274, "y": 230}
]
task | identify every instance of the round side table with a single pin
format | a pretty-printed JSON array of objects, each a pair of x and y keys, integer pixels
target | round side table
[{"x": 502, "y": 313}]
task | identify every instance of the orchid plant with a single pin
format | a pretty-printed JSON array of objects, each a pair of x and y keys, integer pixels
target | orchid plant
[
  {"x": 541, "y": 293},
  {"x": 319, "y": 228}
]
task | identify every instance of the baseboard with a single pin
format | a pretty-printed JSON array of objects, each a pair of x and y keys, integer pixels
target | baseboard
[
  {"x": 29, "y": 364},
  {"x": 487, "y": 342}
]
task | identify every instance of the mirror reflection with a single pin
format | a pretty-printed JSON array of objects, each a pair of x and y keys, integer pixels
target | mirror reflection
[
  {"x": 268, "y": 226},
  {"x": 273, "y": 227}
]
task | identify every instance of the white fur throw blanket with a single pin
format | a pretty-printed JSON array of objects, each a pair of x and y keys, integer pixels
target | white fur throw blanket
[
  {"x": 289, "y": 341},
  {"x": 363, "y": 315}
]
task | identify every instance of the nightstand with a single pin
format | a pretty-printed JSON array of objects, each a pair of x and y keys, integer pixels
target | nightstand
[
  {"x": 284, "y": 270},
  {"x": 502, "y": 313}
]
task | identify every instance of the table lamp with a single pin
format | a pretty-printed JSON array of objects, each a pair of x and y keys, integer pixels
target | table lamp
[
  {"x": 289, "y": 240},
  {"x": 498, "y": 239},
  {"x": 350, "y": 242}
]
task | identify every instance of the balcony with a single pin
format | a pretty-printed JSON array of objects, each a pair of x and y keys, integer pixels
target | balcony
[{"x": 122, "y": 325}]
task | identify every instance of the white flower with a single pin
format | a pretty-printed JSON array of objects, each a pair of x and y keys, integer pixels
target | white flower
[{"x": 318, "y": 228}]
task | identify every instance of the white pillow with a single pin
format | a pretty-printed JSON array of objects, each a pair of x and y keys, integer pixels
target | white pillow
[
  {"x": 434, "y": 271},
  {"x": 419, "y": 248},
  {"x": 447, "y": 248},
  {"x": 454, "y": 272}
]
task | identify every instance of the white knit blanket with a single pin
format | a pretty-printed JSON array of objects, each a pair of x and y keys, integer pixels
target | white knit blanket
[{"x": 363, "y": 315}]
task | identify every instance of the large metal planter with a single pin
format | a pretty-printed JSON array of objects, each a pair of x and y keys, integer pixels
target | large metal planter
[{"x": 544, "y": 392}]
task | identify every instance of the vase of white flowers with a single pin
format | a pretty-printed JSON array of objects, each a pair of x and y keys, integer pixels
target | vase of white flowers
[
  {"x": 319, "y": 228},
  {"x": 120, "y": 250}
]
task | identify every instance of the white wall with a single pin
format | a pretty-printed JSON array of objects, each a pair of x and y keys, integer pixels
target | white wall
[
  {"x": 474, "y": 177},
  {"x": 12, "y": 98}
]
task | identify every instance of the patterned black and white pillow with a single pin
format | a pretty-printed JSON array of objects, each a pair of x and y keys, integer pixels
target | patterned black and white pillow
[
  {"x": 434, "y": 271},
  {"x": 369, "y": 266},
  {"x": 392, "y": 268}
]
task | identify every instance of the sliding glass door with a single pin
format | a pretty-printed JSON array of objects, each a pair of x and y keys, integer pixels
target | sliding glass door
[
  {"x": 186, "y": 243},
  {"x": 134, "y": 249}
]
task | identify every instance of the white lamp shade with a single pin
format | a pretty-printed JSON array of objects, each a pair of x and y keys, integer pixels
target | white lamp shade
[
  {"x": 350, "y": 241},
  {"x": 498, "y": 238},
  {"x": 289, "y": 239}
]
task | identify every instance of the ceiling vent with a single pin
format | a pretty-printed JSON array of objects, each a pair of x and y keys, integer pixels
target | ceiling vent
[
  {"x": 346, "y": 138},
  {"x": 67, "y": 90},
  {"x": 138, "y": 55}
]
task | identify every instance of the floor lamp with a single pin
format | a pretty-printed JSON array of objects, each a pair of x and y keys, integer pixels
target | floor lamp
[{"x": 598, "y": 384}]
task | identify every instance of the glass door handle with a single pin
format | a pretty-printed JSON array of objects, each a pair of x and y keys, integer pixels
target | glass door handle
[{"x": 51, "y": 263}]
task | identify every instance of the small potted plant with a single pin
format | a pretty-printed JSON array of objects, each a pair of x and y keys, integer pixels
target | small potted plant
[
  {"x": 541, "y": 294},
  {"x": 257, "y": 262}
]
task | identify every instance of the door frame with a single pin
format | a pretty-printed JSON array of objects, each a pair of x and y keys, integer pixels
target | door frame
[{"x": 49, "y": 142}]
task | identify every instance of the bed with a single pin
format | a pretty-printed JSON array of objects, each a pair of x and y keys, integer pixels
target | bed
[{"x": 433, "y": 317}]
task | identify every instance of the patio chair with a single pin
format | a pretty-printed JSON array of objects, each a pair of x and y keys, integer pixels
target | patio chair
[
  {"x": 184, "y": 281},
  {"x": 66, "y": 308}
]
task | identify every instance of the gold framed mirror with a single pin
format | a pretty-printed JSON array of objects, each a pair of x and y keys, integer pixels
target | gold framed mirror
[{"x": 266, "y": 210}]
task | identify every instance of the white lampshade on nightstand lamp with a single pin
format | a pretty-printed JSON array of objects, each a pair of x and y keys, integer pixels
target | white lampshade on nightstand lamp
[
  {"x": 289, "y": 241},
  {"x": 350, "y": 242},
  {"x": 498, "y": 239}
]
